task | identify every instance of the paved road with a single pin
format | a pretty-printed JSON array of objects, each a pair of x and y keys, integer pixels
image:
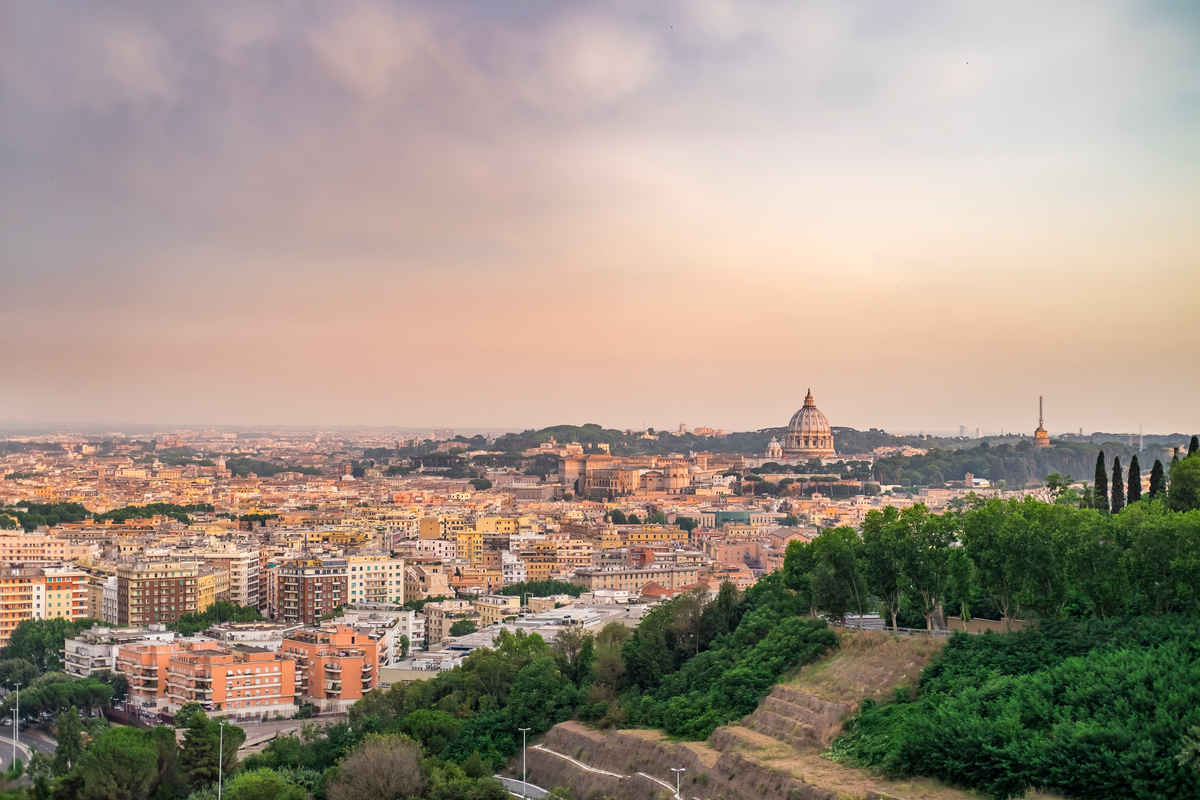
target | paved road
[{"x": 516, "y": 787}]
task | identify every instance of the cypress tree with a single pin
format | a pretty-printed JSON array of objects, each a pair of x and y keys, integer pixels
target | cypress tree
[
  {"x": 1134, "y": 495},
  {"x": 1193, "y": 445},
  {"x": 1158, "y": 480},
  {"x": 1118, "y": 487},
  {"x": 1100, "y": 487}
]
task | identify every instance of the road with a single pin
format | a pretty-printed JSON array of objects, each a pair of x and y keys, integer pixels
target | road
[{"x": 515, "y": 787}]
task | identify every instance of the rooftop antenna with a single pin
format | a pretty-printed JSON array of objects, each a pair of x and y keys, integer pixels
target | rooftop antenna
[
  {"x": 1141, "y": 438},
  {"x": 1039, "y": 412}
]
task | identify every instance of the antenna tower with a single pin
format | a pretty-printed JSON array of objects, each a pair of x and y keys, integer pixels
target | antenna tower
[{"x": 1039, "y": 411}]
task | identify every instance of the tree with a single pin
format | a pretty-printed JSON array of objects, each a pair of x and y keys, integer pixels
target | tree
[
  {"x": 463, "y": 627},
  {"x": 1118, "y": 487},
  {"x": 405, "y": 644},
  {"x": 836, "y": 575},
  {"x": 881, "y": 558},
  {"x": 379, "y": 768},
  {"x": 480, "y": 484},
  {"x": 17, "y": 671},
  {"x": 790, "y": 521},
  {"x": 1184, "y": 494},
  {"x": 617, "y": 517},
  {"x": 687, "y": 524},
  {"x": 926, "y": 557},
  {"x": 1193, "y": 445},
  {"x": 202, "y": 757},
  {"x": 120, "y": 765},
  {"x": 1158, "y": 481},
  {"x": 1134, "y": 495},
  {"x": 263, "y": 784},
  {"x": 70, "y": 743},
  {"x": 1101, "y": 484}
]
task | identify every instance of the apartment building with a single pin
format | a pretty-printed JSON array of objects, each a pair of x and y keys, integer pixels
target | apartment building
[
  {"x": 335, "y": 666},
  {"x": 440, "y": 616},
  {"x": 32, "y": 549},
  {"x": 211, "y": 586},
  {"x": 144, "y": 665},
  {"x": 239, "y": 682},
  {"x": 634, "y": 578},
  {"x": 427, "y": 579},
  {"x": 156, "y": 591},
  {"x": 493, "y": 608},
  {"x": 312, "y": 588},
  {"x": 242, "y": 566},
  {"x": 375, "y": 579},
  {"x": 61, "y": 594},
  {"x": 96, "y": 649},
  {"x": 16, "y": 598},
  {"x": 512, "y": 569}
]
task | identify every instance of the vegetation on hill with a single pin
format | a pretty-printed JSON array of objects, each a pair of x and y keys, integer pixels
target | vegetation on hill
[
  {"x": 241, "y": 467},
  {"x": 1086, "y": 708},
  {"x": 40, "y": 641},
  {"x": 36, "y": 515}
]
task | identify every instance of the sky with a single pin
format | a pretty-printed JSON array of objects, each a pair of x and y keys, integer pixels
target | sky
[{"x": 522, "y": 214}]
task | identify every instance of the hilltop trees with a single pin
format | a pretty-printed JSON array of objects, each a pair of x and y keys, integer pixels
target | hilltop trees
[
  {"x": 882, "y": 554},
  {"x": 1184, "y": 494}
]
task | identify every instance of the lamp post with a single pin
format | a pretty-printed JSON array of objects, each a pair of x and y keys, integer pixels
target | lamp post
[
  {"x": 677, "y": 771},
  {"x": 16, "y": 723},
  {"x": 524, "y": 765},
  {"x": 220, "y": 759}
]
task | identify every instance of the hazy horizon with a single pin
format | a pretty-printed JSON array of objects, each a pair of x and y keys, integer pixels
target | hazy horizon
[{"x": 508, "y": 215}]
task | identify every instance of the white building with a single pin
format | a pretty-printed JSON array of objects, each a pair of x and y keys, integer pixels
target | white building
[
  {"x": 96, "y": 649},
  {"x": 512, "y": 569}
]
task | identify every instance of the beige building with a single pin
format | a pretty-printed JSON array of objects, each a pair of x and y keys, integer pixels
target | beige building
[
  {"x": 375, "y": 579},
  {"x": 493, "y": 608},
  {"x": 634, "y": 578},
  {"x": 440, "y": 616}
]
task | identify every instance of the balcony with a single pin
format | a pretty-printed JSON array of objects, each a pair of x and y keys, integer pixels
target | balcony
[
  {"x": 332, "y": 668},
  {"x": 333, "y": 688}
]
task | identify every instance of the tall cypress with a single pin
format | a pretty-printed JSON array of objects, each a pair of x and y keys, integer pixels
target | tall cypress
[
  {"x": 1118, "y": 490},
  {"x": 1100, "y": 487},
  {"x": 1193, "y": 445},
  {"x": 1158, "y": 481},
  {"x": 1134, "y": 495}
]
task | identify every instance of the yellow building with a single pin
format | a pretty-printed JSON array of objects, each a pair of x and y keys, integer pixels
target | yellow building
[
  {"x": 497, "y": 525},
  {"x": 495, "y": 607},
  {"x": 470, "y": 546},
  {"x": 654, "y": 534},
  {"x": 211, "y": 587}
]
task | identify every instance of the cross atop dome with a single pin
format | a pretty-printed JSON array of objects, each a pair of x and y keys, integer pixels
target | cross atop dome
[{"x": 808, "y": 400}]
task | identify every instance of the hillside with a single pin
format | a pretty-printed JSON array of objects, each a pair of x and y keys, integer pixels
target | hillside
[{"x": 775, "y": 752}]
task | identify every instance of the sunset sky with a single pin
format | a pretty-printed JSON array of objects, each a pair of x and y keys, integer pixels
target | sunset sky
[{"x": 519, "y": 214}]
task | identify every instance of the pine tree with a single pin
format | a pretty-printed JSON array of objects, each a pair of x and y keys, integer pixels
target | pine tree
[
  {"x": 1134, "y": 495},
  {"x": 1118, "y": 487},
  {"x": 70, "y": 741},
  {"x": 1158, "y": 480},
  {"x": 1101, "y": 484},
  {"x": 1193, "y": 445}
]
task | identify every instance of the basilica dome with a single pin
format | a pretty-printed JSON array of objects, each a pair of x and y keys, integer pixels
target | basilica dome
[{"x": 808, "y": 434}]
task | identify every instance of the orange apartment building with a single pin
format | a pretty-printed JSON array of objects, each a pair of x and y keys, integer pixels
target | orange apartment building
[
  {"x": 145, "y": 667},
  {"x": 238, "y": 682},
  {"x": 37, "y": 593},
  {"x": 334, "y": 665}
]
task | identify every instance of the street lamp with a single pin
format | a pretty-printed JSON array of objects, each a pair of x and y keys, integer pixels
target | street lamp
[
  {"x": 677, "y": 771},
  {"x": 16, "y": 723},
  {"x": 524, "y": 765},
  {"x": 220, "y": 759}
]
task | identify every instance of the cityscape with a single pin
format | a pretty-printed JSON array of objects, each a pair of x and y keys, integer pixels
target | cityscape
[{"x": 697, "y": 400}]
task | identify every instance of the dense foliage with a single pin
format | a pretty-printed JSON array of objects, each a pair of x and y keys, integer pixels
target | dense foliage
[
  {"x": 1088, "y": 709},
  {"x": 695, "y": 665},
  {"x": 221, "y": 611},
  {"x": 40, "y": 641},
  {"x": 545, "y": 588},
  {"x": 172, "y": 510},
  {"x": 241, "y": 467}
]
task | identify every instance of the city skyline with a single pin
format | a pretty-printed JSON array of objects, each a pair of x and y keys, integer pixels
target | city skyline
[{"x": 520, "y": 215}]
